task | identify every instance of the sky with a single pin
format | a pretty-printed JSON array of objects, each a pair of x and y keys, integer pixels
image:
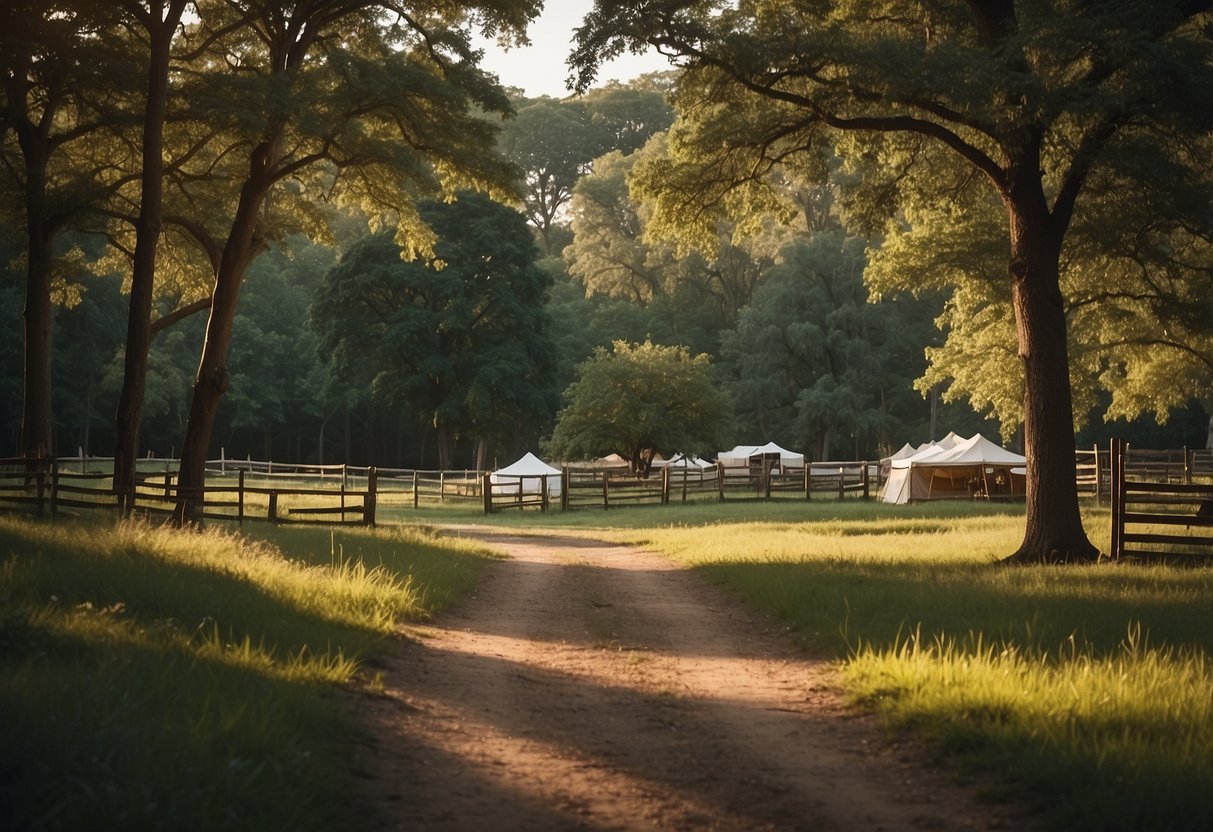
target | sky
[{"x": 540, "y": 69}]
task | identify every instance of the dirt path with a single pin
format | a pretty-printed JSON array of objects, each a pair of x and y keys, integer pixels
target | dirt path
[{"x": 594, "y": 686}]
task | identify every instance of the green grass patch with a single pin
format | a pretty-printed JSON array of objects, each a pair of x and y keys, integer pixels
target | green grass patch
[
  {"x": 1087, "y": 689},
  {"x": 160, "y": 679}
]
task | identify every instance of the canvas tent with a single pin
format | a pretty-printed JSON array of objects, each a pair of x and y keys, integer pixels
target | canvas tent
[
  {"x": 746, "y": 455},
  {"x": 968, "y": 468},
  {"x": 688, "y": 461},
  {"x": 529, "y": 474}
]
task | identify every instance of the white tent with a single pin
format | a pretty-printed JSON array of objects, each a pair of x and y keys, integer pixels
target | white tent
[
  {"x": 968, "y": 468},
  {"x": 950, "y": 441},
  {"x": 689, "y": 461},
  {"x": 529, "y": 474},
  {"x": 745, "y": 454}
]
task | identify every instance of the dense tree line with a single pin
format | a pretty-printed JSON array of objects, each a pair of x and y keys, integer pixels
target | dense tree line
[{"x": 246, "y": 235}]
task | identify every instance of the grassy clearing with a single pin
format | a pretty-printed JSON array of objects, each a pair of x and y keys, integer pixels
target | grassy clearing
[
  {"x": 156, "y": 679},
  {"x": 1087, "y": 689}
]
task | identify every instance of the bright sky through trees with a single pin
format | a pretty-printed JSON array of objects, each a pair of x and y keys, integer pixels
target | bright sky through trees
[{"x": 540, "y": 69}]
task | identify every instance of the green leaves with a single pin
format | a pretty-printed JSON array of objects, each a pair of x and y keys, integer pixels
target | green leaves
[
  {"x": 463, "y": 345},
  {"x": 638, "y": 399}
]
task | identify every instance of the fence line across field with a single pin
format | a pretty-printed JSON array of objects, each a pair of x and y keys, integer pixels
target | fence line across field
[{"x": 240, "y": 489}]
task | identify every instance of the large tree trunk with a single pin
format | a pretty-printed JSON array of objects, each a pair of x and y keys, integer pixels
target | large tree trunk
[
  {"x": 129, "y": 417},
  {"x": 1054, "y": 532},
  {"x": 36, "y": 414},
  {"x": 213, "y": 379}
]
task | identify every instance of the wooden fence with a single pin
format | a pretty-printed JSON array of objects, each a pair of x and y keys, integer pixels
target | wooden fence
[
  {"x": 242, "y": 489},
  {"x": 597, "y": 487},
  {"x": 1158, "y": 519},
  {"x": 42, "y": 486},
  {"x": 1093, "y": 468}
]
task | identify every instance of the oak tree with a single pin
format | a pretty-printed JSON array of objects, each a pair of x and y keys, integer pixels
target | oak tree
[{"x": 1043, "y": 104}]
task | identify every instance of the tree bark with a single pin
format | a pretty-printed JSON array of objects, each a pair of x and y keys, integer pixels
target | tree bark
[
  {"x": 1054, "y": 532},
  {"x": 37, "y": 320},
  {"x": 212, "y": 380},
  {"x": 36, "y": 412},
  {"x": 129, "y": 417}
]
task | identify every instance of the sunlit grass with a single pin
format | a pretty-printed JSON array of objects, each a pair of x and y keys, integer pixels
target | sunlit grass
[
  {"x": 1103, "y": 741},
  {"x": 159, "y": 679},
  {"x": 1086, "y": 688}
]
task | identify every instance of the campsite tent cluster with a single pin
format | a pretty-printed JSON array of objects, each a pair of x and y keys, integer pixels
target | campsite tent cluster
[{"x": 951, "y": 468}]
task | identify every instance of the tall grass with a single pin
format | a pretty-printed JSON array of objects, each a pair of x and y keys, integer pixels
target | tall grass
[{"x": 160, "y": 679}]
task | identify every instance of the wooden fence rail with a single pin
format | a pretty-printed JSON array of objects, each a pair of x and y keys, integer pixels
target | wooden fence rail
[
  {"x": 240, "y": 489},
  {"x": 39, "y": 486},
  {"x": 1093, "y": 467},
  {"x": 1158, "y": 520}
]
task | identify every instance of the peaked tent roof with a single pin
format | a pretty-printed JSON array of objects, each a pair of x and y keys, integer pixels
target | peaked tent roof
[
  {"x": 747, "y": 451},
  {"x": 924, "y": 452},
  {"x": 950, "y": 441},
  {"x": 976, "y": 450},
  {"x": 529, "y": 475},
  {"x": 686, "y": 461},
  {"x": 528, "y": 466}
]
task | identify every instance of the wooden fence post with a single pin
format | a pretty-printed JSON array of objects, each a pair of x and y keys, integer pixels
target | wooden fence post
[
  {"x": 272, "y": 513},
  {"x": 841, "y": 481},
  {"x": 720, "y": 481},
  {"x": 344, "y": 472},
  {"x": 686, "y": 473},
  {"x": 1116, "y": 486},
  {"x": 665, "y": 486},
  {"x": 767, "y": 472},
  {"x": 867, "y": 485},
  {"x": 606, "y": 501},
  {"x": 54, "y": 487},
  {"x": 416, "y": 496},
  {"x": 369, "y": 503},
  {"x": 1098, "y": 475},
  {"x": 240, "y": 497},
  {"x": 564, "y": 488},
  {"x": 543, "y": 494},
  {"x": 486, "y": 490}
]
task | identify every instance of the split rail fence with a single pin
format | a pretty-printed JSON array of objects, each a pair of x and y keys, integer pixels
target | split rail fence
[
  {"x": 598, "y": 487},
  {"x": 281, "y": 492},
  {"x": 1157, "y": 515},
  {"x": 1093, "y": 467}
]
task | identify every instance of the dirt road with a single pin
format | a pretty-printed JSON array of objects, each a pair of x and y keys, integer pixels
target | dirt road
[{"x": 593, "y": 686}]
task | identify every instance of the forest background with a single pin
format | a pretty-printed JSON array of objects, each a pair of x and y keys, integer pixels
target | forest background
[{"x": 332, "y": 359}]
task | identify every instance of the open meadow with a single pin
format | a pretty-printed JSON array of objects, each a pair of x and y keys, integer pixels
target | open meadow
[{"x": 214, "y": 678}]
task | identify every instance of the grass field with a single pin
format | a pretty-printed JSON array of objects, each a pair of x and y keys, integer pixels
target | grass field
[
  {"x": 133, "y": 660},
  {"x": 152, "y": 679}
]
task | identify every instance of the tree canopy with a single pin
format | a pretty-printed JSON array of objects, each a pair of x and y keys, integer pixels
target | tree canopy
[
  {"x": 637, "y": 400},
  {"x": 1042, "y": 111},
  {"x": 460, "y": 340}
]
